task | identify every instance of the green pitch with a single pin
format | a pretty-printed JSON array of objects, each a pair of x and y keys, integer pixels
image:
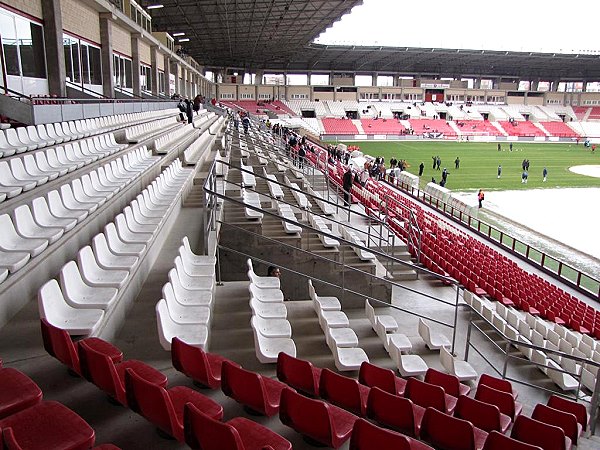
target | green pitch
[{"x": 479, "y": 163}]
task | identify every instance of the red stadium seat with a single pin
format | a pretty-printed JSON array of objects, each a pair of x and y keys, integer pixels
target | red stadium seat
[
  {"x": 578, "y": 409},
  {"x": 366, "y": 436},
  {"x": 110, "y": 377},
  {"x": 316, "y": 420},
  {"x": 47, "y": 425},
  {"x": 202, "y": 367},
  {"x": 451, "y": 384},
  {"x": 429, "y": 395},
  {"x": 344, "y": 392},
  {"x": 385, "y": 379},
  {"x": 164, "y": 408},
  {"x": 258, "y": 394},
  {"x": 206, "y": 433},
  {"x": 482, "y": 415},
  {"x": 17, "y": 391},
  {"x": 534, "y": 432},
  {"x": 503, "y": 400},
  {"x": 58, "y": 343},
  {"x": 498, "y": 441},
  {"x": 445, "y": 432},
  {"x": 395, "y": 412},
  {"x": 564, "y": 420},
  {"x": 299, "y": 374},
  {"x": 498, "y": 384}
]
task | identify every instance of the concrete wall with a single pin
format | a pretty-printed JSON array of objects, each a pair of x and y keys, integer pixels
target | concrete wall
[
  {"x": 121, "y": 40},
  {"x": 31, "y": 7},
  {"x": 81, "y": 20}
]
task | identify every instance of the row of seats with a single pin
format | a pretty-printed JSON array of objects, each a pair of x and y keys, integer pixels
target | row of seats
[
  {"x": 165, "y": 143},
  {"x": 91, "y": 287},
  {"x": 144, "y": 130},
  {"x": 22, "y": 139},
  {"x": 271, "y": 330},
  {"x": 33, "y": 228},
  {"x": 24, "y": 174},
  {"x": 186, "y": 307},
  {"x": 27, "y": 422}
]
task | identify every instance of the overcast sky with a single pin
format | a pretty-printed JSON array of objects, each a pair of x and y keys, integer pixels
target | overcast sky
[{"x": 528, "y": 25}]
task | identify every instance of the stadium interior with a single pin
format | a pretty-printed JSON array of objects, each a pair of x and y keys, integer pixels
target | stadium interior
[{"x": 188, "y": 261}]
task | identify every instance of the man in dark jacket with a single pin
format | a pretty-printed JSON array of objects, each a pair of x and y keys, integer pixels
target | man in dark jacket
[{"x": 347, "y": 180}]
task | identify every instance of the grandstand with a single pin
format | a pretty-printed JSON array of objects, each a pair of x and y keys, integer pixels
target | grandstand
[{"x": 139, "y": 234}]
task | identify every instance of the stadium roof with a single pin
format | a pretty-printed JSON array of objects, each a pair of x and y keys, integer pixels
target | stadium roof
[{"x": 277, "y": 35}]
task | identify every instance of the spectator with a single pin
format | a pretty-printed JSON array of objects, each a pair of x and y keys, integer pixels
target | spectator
[
  {"x": 499, "y": 170},
  {"x": 273, "y": 271},
  {"x": 480, "y": 197},
  {"x": 544, "y": 174}
]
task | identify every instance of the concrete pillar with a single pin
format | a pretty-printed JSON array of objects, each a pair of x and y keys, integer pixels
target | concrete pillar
[
  {"x": 477, "y": 83},
  {"x": 106, "y": 53},
  {"x": 554, "y": 87},
  {"x": 496, "y": 83},
  {"x": 136, "y": 63},
  {"x": 258, "y": 77},
  {"x": 374, "y": 79},
  {"x": 584, "y": 87},
  {"x": 154, "y": 55},
  {"x": 396, "y": 80},
  {"x": 53, "y": 41},
  {"x": 167, "y": 70},
  {"x": 534, "y": 84}
]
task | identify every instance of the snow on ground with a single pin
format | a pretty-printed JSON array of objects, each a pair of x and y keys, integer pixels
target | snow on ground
[{"x": 590, "y": 171}]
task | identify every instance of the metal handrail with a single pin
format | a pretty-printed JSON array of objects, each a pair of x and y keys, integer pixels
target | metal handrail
[{"x": 84, "y": 89}]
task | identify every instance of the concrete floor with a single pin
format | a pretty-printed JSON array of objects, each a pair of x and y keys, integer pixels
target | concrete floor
[{"x": 21, "y": 348}]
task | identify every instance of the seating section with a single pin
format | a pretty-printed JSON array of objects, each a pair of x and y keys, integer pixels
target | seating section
[
  {"x": 382, "y": 126},
  {"x": 521, "y": 128},
  {"x": 339, "y": 126}
]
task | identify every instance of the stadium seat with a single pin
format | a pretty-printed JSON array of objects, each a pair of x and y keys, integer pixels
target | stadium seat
[
  {"x": 451, "y": 384},
  {"x": 96, "y": 276},
  {"x": 189, "y": 297},
  {"x": 498, "y": 441},
  {"x": 12, "y": 241},
  {"x": 206, "y": 433},
  {"x": 366, "y": 436},
  {"x": 193, "y": 334},
  {"x": 202, "y": 367},
  {"x": 564, "y": 420},
  {"x": 58, "y": 343},
  {"x": 485, "y": 416},
  {"x": 79, "y": 294},
  {"x": 54, "y": 308},
  {"x": 534, "y": 432},
  {"x": 395, "y": 412},
  {"x": 445, "y": 432},
  {"x": 429, "y": 395},
  {"x": 344, "y": 392},
  {"x": 503, "y": 400},
  {"x": 388, "y": 322},
  {"x": 299, "y": 374},
  {"x": 43, "y": 216},
  {"x": 18, "y": 392},
  {"x": 385, "y": 379},
  {"x": 259, "y": 394},
  {"x": 411, "y": 365},
  {"x": 185, "y": 314},
  {"x": 164, "y": 407},
  {"x": 47, "y": 425},
  {"x": 318, "y": 421},
  {"x": 101, "y": 370},
  {"x": 107, "y": 259},
  {"x": 462, "y": 370},
  {"x": 27, "y": 227},
  {"x": 576, "y": 408},
  {"x": 433, "y": 340},
  {"x": 262, "y": 282},
  {"x": 498, "y": 384}
]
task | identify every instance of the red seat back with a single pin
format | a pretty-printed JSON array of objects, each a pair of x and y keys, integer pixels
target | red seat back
[
  {"x": 564, "y": 420},
  {"x": 578, "y": 409},
  {"x": 496, "y": 383},
  {"x": 503, "y": 400},
  {"x": 298, "y": 373},
  {"x": 375, "y": 376},
  {"x": 206, "y": 433},
  {"x": 449, "y": 382},
  {"x": 245, "y": 387},
  {"x": 100, "y": 370},
  {"x": 151, "y": 401},
  {"x": 484, "y": 416},
  {"x": 498, "y": 441},
  {"x": 534, "y": 432},
  {"x": 341, "y": 391},
  {"x": 447, "y": 432},
  {"x": 307, "y": 416},
  {"x": 58, "y": 344},
  {"x": 391, "y": 411},
  {"x": 425, "y": 394},
  {"x": 366, "y": 436},
  {"x": 192, "y": 361}
]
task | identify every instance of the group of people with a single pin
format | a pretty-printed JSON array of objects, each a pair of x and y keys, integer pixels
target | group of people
[
  {"x": 187, "y": 107},
  {"x": 240, "y": 116}
]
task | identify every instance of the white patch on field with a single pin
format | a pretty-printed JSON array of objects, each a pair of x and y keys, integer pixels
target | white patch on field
[
  {"x": 590, "y": 171},
  {"x": 567, "y": 215}
]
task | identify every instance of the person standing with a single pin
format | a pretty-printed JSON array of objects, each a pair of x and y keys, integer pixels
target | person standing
[
  {"x": 480, "y": 197},
  {"x": 434, "y": 161},
  {"x": 545, "y": 174},
  {"x": 189, "y": 110},
  {"x": 510, "y": 146},
  {"x": 457, "y": 163},
  {"x": 438, "y": 163},
  {"x": 301, "y": 156},
  {"x": 421, "y": 167},
  {"x": 246, "y": 123},
  {"x": 347, "y": 180},
  {"x": 499, "y": 170},
  {"x": 444, "y": 176},
  {"x": 499, "y": 147}
]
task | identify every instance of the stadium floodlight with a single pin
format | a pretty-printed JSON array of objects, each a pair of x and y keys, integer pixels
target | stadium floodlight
[
  {"x": 184, "y": 40},
  {"x": 181, "y": 33},
  {"x": 157, "y": 6}
]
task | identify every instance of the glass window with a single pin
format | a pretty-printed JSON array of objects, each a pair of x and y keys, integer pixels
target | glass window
[
  {"x": 95, "y": 65},
  {"x": 31, "y": 48},
  {"x": 128, "y": 73},
  {"x": 9, "y": 45},
  {"x": 161, "y": 82}
]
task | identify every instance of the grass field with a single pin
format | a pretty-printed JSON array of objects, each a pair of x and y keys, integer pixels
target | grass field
[{"x": 479, "y": 163}]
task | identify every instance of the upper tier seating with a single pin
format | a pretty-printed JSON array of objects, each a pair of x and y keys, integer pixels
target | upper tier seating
[
  {"x": 426, "y": 126},
  {"x": 477, "y": 128},
  {"x": 339, "y": 126},
  {"x": 521, "y": 128},
  {"x": 382, "y": 126},
  {"x": 559, "y": 129}
]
